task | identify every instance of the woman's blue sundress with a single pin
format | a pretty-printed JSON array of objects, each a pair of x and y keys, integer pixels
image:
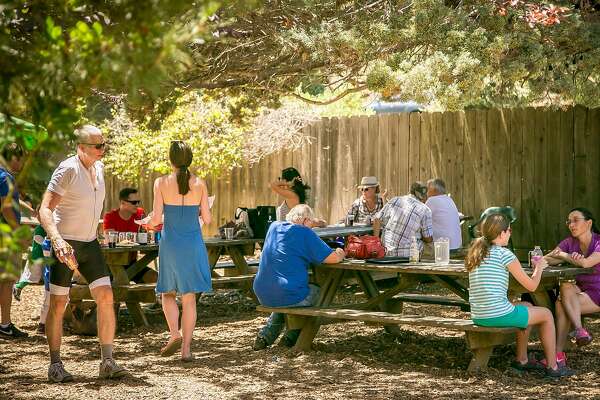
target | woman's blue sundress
[{"x": 182, "y": 253}]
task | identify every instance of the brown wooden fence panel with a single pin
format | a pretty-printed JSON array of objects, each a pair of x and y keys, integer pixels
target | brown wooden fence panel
[{"x": 541, "y": 162}]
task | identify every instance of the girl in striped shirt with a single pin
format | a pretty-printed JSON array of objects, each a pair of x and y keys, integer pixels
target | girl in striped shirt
[{"x": 489, "y": 264}]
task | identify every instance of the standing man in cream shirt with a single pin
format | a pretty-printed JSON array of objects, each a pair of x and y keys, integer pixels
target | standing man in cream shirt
[{"x": 70, "y": 211}]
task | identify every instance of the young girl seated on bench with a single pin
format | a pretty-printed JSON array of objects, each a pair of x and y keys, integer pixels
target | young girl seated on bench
[{"x": 489, "y": 264}]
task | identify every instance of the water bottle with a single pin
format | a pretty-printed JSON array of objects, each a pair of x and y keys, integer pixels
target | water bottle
[
  {"x": 535, "y": 255},
  {"x": 414, "y": 250},
  {"x": 47, "y": 248}
]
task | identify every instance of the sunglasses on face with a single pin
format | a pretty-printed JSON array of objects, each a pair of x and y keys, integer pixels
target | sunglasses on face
[
  {"x": 365, "y": 189},
  {"x": 97, "y": 146},
  {"x": 134, "y": 202}
]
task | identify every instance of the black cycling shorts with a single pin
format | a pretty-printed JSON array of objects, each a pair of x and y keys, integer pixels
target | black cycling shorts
[{"x": 91, "y": 264}]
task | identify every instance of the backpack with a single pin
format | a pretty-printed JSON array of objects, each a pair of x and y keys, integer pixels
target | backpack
[{"x": 259, "y": 219}]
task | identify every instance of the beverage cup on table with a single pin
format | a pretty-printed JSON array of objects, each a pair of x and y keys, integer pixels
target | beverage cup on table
[
  {"x": 113, "y": 238},
  {"x": 441, "y": 248},
  {"x": 122, "y": 236},
  {"x": 229, "y": 233},
  {"x": 349, "y": 220}
]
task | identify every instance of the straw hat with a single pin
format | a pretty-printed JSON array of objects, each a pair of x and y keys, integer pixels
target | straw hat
[{"x": 368, "y": 181}]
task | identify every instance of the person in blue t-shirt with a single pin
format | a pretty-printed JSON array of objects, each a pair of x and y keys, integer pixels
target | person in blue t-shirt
[
  {"x": 10, "y": 214},
  {"x": 290, "y": 247}
]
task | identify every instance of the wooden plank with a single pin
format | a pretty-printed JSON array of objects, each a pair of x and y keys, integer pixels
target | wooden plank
[
  {"x": 482, "y": 200},
  {"x": 384, "y": 156},
  {"x": 539, "y": 178},
  {"x": 553, "y": 219},
  {"x": 565, "y": 165},
  {"x": 335, "y": 178},
  {"x": 386, "y": 318},
  {"x": 469, "y": 164},
  {"x": 515, "y": 168},
  {"x": 592, "y": 200},
  {"x": 414, "y": 150},
  {"x": 454, "y": 154},
  {"x": 403, "y": 155},
  {"x": 363, "y": 139},
  {"x": 526, "y": 216},
  {"x": 390, "y": 156},
  {"x": 435, "y": 148},
  {"x": 425, "y": 146}
]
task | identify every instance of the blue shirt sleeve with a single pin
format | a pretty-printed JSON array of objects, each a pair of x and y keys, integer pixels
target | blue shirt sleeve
[
  {"x": 316, "y": 250},
  {"x": 4, "y": 183}
]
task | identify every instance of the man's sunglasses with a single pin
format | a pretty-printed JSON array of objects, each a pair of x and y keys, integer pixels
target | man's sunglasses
[
  {"x": 97, "y": 146},
  {"x": 134, "y": 202}
]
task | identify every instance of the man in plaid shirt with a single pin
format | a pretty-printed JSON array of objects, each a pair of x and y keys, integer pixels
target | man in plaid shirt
[{"x": 402, "y": 218}]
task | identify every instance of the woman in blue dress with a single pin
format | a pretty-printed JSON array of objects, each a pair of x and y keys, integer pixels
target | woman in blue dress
[{"x": 183, "y": 268}]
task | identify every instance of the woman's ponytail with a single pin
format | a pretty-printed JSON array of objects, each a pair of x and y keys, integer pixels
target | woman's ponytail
[
  {"x": 491, "y": 227},
  {"x": 183, "y": 180},
  {"x": 180, "y": 155}
]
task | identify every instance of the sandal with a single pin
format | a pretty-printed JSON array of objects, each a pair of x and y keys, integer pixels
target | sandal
[{"x": 171, "y": 347}]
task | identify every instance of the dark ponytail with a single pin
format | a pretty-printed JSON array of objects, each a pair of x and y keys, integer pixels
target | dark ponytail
[
  {"x": 292, "y": 175},
  {"x": 180, "y": 155}
]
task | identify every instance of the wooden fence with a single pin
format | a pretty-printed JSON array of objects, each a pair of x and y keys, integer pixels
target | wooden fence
[{"x": 541, "y": 162}]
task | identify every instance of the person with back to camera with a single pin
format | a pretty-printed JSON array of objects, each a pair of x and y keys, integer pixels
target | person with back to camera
[
  {"x": 282, "y": 280},
  {"x": 582, "y": 249},
  {"x": 183, "y": 259},
  {"x": 490, "y": 265}
]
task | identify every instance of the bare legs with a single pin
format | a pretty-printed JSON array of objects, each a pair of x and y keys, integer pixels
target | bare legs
[
  {"x": 572, "y": 304},
  {"x": 188, "y": 319},
  {"x": 103, "y": 297},
  {"x": 54, "y": 321},
  {"x": 5, "y": 301},
  {"x": 542, "y": 317}
]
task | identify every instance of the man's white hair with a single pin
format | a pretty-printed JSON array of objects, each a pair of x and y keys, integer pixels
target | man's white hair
[
  {"x": 84, "y": 133},
  {"x": 438, "y": 185},
  {"x": 298, "y": 213}
]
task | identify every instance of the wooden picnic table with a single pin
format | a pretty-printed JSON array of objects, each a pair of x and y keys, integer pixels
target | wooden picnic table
[
  {"x": 381, "y": 307},
  {"x": 119, "y": 259}
]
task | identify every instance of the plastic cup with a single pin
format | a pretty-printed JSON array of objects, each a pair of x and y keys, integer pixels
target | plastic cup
[
  {"x": 442, "y": 250},
  {"x": 229, "y": 233}
]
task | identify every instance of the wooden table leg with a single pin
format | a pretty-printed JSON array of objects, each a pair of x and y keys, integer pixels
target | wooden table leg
[
  {"x": 312, "y": 325},
  {"x": 214, "y": 252},
  {"x": 238, "y": 259},
  {"x": 135, "y": 310}
]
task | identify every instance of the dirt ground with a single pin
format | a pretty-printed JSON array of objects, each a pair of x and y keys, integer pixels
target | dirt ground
[{"x": 349, "y": 361}]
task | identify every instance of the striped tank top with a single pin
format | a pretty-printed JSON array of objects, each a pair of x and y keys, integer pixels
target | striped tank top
[{"x": 488, "y": 285}]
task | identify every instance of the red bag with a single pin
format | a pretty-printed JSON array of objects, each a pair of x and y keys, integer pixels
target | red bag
[{"x": 363, "y": 247}]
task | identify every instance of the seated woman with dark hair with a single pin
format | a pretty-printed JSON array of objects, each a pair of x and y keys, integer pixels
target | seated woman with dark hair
[
  {"x": 293, "y": 190},
  {"x": 582, "y": 248}
]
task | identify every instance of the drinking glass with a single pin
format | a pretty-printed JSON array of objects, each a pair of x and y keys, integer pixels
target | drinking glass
[
  {"x": 229, "y": 233},
  {"x": 441, "y": 248}
]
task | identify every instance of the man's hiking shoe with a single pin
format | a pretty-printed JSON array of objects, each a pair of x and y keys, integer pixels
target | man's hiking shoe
[
  {"x": 560, "y": 372},
  {"x": 12, "y": 332},
  {"x": 110, "y": 370},
  {"x": 58, "y": 374},
  {"x": 41, "y": 329},
  {"x": 581, "y": 336},
  {"x": 259, "y": 343}
]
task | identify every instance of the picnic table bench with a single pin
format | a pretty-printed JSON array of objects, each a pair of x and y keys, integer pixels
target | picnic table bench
[{"x": 385, "y": 306}]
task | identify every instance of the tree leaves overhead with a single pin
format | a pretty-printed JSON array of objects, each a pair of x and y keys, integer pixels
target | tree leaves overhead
[{"x": 450, "y": 54}]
